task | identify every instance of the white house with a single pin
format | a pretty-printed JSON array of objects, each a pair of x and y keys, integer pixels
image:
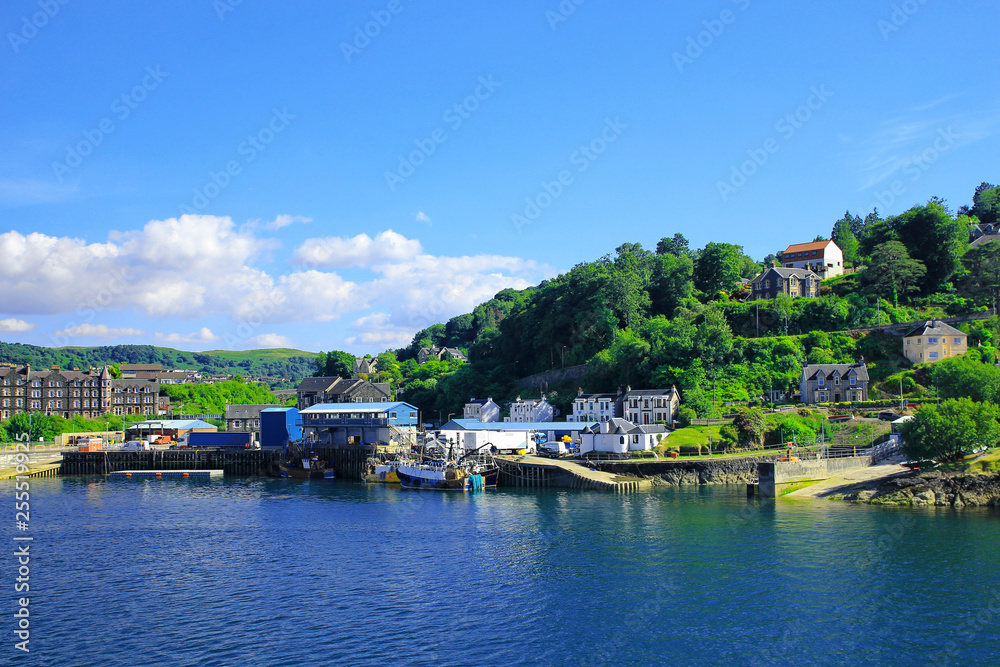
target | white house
[
  {"x": 532, "y": 410},
  {"x": 649, "y": 406},
  {"x": 594, "y": 407},
  {"x": 483, "y": 409},
  {"x": 620, "y": 436},
  {"x": 822, "y": 257}
]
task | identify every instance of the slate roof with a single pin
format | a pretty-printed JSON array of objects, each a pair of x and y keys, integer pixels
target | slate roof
[
  {"x": 935, "y": 328},
  {"x": 985, "y": 238},
  {"x": 651, "y": 392},
  {"x": 812, "y": 370},
  {"x": 787, "y": 273},
  {"x": 247, "y": 411},
  {"x": 317, "y": 384}
]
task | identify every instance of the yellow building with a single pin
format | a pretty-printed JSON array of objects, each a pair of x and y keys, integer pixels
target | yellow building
[{"x": 932, "y": 341}]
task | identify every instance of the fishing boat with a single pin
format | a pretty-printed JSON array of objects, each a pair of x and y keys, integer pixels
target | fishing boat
[
  {"x": 301, "y": 461},
  {"x": 484, "y": 465},
  {"x": 440, "y": 475},
  {"x": 382, "y": 472}
]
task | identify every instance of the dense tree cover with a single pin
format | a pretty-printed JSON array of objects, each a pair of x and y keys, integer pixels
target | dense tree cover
[
  {"x": 39, "y": 425},
  {"x": 334, "y": 364},
  {"x": 291, "y": 364},
  {"x": 213, "y": 398},
  {"x": 946, "y": 431},
  {"x": 967, "y": 377},
  {"x": 891, "y": 272}
]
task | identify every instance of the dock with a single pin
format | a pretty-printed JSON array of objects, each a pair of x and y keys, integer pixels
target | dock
[
  {"x": 251, "y": 462},
  {"x": 167, "y": 474},
  {"x": 538, "y": 472}
]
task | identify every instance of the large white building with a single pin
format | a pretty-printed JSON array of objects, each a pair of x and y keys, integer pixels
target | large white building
[
  {"x": 531, "y": 410},
  {"x": 594, "y": 407},
  {"x": 824, "y": 258},
  {"x": 483, "y": 409},
  {"x": 651, "y": 406}
]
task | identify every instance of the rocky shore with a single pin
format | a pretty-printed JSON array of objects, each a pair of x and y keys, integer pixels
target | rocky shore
[{"x": 932, "y": 488}]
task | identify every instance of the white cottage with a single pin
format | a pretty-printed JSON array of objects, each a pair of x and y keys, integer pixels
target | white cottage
[
  {"x": 620, "y": 436},
  {"x": 532, "y": 410}
]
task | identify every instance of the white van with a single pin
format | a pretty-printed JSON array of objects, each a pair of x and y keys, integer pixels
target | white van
[{"x": 136, "y": 445}]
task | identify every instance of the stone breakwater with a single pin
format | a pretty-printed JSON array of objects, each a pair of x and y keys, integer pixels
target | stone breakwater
[
  {"x": 688, "y": 472},
  {"x": 933, "y": 488}
]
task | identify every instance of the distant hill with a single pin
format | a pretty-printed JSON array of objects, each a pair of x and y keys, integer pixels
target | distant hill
[{"x": 282, "y": 363}]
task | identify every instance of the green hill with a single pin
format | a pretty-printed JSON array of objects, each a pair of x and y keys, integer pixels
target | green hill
[{"x": 293, "y": 365}]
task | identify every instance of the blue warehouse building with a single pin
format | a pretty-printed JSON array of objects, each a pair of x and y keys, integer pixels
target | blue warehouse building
[{"x": 393, "y": 424}]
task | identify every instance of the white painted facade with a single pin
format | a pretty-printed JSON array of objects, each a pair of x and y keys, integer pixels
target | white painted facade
[
  {"x": 532, "y": 410},
  {"x": 483, "y": 410}
]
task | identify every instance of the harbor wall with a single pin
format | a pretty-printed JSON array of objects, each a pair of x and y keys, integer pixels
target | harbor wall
[
  {"x": 775, "y": 473},
  {"x": 688, "y": 472}
]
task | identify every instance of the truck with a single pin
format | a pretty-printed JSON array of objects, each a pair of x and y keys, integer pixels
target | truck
[{"x": 220, "y": 440}]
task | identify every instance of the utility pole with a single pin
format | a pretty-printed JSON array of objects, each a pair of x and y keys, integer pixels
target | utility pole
[
  {"x": 900, "y": 393},
  {"x": 563, "y": 354}
]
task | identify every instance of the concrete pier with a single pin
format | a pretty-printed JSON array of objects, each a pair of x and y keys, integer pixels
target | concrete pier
[{"x": 536, "y": 472}]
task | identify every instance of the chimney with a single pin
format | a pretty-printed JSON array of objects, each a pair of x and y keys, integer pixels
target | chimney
[{"x": 579, "y": 391}]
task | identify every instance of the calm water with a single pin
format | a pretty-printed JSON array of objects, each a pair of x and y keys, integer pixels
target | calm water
[{"x": 299, "y": 573}]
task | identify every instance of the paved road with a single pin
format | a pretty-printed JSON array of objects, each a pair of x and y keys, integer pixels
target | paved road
[{"x": 841, "y": 483}]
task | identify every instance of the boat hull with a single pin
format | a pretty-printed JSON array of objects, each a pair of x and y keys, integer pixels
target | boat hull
[
  {"x": 307, "y": 473},
  {"x": 459, "y": 483}
]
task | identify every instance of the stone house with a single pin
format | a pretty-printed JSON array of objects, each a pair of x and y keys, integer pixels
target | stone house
[
  {"x": 793, "y": 282},
  {"x": 834, "y": 383}
]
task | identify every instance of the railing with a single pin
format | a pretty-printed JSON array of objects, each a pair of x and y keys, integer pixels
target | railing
[{"x": 319, "y": 422}]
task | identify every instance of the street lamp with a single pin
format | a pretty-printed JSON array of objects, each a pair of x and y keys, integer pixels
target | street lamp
[{"x": 563, "y": 354}]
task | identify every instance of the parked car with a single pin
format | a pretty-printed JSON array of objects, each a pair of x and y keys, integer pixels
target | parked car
[
  {"x": 136, "y": 445},
  {"x": 888, "y": 416}
]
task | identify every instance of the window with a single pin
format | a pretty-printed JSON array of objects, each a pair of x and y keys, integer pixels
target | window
[
  {"x": 932, "y": 341},
  {"x": 958, "y": 341},
  {"x": 933, "y": 355},
  {"x": 854, "y": 381},
  {"x": 918, "y": 341},
  {"x": 836, "y": 380},
  {"x": 820, "y": 381},
  {"x": 907, "y": 341}
]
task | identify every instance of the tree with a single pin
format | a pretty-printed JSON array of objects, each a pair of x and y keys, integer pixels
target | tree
[
  {"x": 676, "y": 246},
  {"x": 35, "y": 424},
  {"x": 718, "y": 267},
  {"x": 986, "y": 203},
  {"x": 749, "y": 426},
  {"x": 672, "y": 282},
  {"x": 335, "y": 364},
  {"x": 844, "y": 237},
  {"x": 714, "y": 340},
  {"x": 949, "y": 430},
  {"x": 891, "y": 272},
  {"x": 933, "y": 237},
  {"x": 966, "y": 377},
  {"x": 981, "y": 280}
]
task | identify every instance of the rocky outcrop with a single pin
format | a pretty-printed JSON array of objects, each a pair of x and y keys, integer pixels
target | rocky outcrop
[
  {"x": 688, "y": 472},
  {"x": 934, "y": 488}
]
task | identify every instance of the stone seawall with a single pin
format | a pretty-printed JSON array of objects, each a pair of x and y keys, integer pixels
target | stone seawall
[{"x": 689, "y": 472}]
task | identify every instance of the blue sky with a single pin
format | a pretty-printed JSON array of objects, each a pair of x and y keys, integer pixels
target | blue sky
[{"x": 334, "y": 175}]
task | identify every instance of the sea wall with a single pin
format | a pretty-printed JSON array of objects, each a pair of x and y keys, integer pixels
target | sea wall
[{"x": 687, "y": 472}]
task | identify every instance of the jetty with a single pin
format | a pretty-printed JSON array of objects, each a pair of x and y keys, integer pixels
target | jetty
[
  {"x": 537, "y": 472},
  {"x": 167, "y": 474}
]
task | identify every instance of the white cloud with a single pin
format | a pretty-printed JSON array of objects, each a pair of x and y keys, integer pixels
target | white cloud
[
  {"x": 97, "y": 331},
  {"x": 11, "y": 325},
  {"x": 271, "y": 340},
  {"x": 336, "y": 252},
  {"x": 378, "y": 330},
  {"x": 203, "y": 335},
  {"x": 423, "y": 217},
  {"x": 280, "y": 221}
]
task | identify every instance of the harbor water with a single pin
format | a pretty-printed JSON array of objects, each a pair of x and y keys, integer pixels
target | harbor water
[{"x": 286, "y": 572}]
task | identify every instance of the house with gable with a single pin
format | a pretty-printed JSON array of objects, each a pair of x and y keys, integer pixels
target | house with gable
[
  {"x": 441, "y": 353},
  {"x": 595, "y": 407},
  {"x": 824, "y": 258},
  {"x": 620, "y": 436},
  {"x": 531, "y": 410},
  {"x": 793, "y": 282},
  {"x": 834, "y": 383},
  {"x": 482, "y": 409},
  {"x": 318, "y": 390},
  {"x": 932, "y": 341},
  {"x": 649, "y": 406}
]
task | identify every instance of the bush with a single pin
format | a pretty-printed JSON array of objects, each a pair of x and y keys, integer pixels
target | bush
[{"x": 685, "y": 415}]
